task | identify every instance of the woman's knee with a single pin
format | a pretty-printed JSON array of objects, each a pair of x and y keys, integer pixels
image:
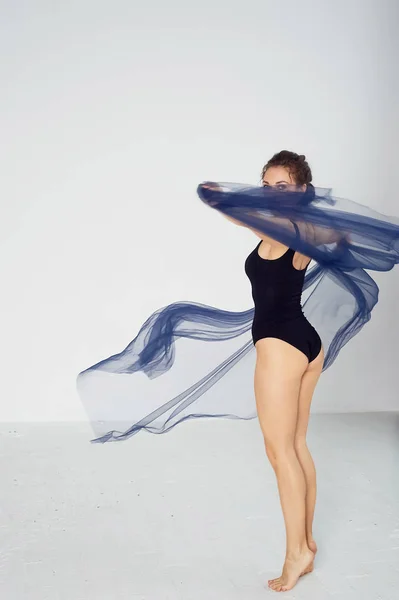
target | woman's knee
[
  {"x": 270, "y": 454},
  {"x": 304, "y": 455},
  {"x": 300, "y": 443},
  {"x": 278, "y": 450}
]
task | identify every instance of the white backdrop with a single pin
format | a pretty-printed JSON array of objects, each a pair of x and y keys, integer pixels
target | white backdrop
[{"x": 106, "y": 102}]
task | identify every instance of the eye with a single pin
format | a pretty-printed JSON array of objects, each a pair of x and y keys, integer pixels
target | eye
[{"x": 281, "y": 187}]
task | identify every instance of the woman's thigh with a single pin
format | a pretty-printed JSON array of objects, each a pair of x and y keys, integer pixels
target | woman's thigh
[
  {"x": 278, "y": 374},
  {"x": 308, "y": 385}
]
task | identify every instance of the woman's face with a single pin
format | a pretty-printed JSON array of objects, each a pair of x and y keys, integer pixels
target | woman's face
[{"x": 281, "y": 180}]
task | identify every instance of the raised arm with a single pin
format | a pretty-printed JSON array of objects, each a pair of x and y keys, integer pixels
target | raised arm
[{"x": 310, "y": 233}]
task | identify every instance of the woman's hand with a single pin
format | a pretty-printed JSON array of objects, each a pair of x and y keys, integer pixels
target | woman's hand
[{"x": 212, "y": 187}]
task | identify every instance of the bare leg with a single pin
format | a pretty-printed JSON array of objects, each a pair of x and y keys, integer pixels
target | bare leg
[
  {"x": 308, "y": 384},
  {"x": 278, "y": 375}
]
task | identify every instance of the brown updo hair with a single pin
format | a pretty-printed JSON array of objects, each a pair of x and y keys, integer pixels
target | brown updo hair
[{"x": 296, "y": 165}]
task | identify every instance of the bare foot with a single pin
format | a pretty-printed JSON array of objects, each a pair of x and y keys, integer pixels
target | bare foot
[
  {"x": 313, "y": 547},
  {"x": 292, "y": 570}
]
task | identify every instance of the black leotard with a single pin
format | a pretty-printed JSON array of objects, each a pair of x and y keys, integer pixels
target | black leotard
[{"x": 276, "y": 290}]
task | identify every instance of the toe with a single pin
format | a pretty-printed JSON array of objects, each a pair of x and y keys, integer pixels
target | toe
[{"x": 275, "y": 583}]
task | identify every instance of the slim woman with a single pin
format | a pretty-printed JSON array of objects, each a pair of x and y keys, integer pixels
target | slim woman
[{"x": 289, "y": 360}]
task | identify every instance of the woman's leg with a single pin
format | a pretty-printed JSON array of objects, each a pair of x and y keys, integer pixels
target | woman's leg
[
  {"x": 308, "y": 384},
  {"x": 278, "y": 375}
]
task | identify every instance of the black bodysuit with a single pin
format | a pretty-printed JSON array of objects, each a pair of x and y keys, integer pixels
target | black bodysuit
[{"x": 276, "y": 290}]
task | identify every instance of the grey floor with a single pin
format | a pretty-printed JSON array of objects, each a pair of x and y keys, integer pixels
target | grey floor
[{"x": 193, "y": 514}]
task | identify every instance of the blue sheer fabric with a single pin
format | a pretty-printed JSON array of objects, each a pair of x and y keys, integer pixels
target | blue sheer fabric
[{"x": 190, "y": 360}]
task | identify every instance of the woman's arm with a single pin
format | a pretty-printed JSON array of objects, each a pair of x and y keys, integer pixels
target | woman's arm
[{"x": 309, "y": 232}]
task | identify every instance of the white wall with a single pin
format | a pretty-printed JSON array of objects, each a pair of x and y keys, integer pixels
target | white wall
[{"x": 106, "y": 102}]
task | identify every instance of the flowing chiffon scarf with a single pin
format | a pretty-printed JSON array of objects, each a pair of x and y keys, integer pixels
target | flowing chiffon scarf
[{"x": 190, "y": 360}]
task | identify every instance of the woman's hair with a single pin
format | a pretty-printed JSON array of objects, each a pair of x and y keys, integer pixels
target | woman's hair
[{"x": 295, "y": 164}]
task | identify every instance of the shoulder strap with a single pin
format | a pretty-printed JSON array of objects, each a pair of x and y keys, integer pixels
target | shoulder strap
[{"x": 296, "y": 228}]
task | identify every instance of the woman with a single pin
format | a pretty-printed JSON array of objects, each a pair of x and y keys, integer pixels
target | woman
[
  {"x": 296, "y": 223},
  {"x": 289, "y": 360}
]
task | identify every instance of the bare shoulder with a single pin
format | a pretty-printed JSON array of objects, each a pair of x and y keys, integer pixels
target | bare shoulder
[{"x": 300, "y": 261}]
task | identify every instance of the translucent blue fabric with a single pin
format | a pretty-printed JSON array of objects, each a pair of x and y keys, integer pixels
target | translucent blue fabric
[{"x": 191, "y": 361}]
